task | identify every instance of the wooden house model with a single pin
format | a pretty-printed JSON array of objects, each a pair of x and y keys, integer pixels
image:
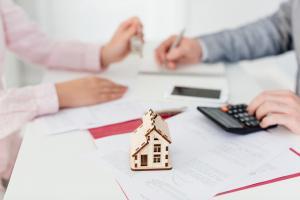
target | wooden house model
[{"x": 149, "y": 148}]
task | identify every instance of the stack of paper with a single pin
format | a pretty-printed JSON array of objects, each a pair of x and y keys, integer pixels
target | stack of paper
[
  {"x": 100, "y": 115},
  {"x": 284, "y": 166},
  {"x": 188, "y": 70},
  {"x": 204, "y": 158}
]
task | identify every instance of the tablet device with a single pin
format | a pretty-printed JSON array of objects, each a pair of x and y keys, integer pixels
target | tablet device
[{"x": 204, "y": 94}]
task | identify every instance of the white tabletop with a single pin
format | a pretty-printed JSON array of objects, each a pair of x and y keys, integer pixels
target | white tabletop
[{"x": 51, "y": 167}]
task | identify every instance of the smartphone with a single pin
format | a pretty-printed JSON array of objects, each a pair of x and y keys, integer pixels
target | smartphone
[{"x": 205, "y": 94}]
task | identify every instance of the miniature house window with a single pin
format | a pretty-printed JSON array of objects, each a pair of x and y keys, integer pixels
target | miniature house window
[
  {"x": 166, "y": 164},
  {"x": 167, "y": 148},
  {"x": 144, "y": 160},
  {"x": 167, "y": 156},
  {"x": 156, "y": 158},
  {"x": 148, "y": 137},
  {"x": 155, "y": 138},
  {"x": 135, "y": 157},
  {"x": 157, "y": 148}
]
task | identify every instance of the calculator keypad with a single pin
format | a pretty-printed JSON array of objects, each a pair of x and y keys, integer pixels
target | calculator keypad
[
  {"x": 240, "y": 113},
  {"x": 234, "y": 119}
]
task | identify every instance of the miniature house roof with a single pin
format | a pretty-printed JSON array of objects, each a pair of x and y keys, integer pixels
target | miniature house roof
[{"x": 151, "y": 122}]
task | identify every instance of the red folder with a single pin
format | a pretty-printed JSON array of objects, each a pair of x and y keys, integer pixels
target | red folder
[{"x": 121, "y": 128}]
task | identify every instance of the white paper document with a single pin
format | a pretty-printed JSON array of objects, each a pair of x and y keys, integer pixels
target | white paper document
[
  {"x": 100, "y": 115},
  {"x": 187, "y": 70},
  {"x": 285, "y": 164},
  {"x": 204, "y": 159}
]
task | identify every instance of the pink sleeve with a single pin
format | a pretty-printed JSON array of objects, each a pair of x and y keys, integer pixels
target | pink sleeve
[
  {"x": 25, "y": 39},
  {"x": 19, "y": 106}
]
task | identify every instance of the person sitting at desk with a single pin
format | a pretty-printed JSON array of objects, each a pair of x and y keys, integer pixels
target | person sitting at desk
[
  {"x": 18, "y": 106},
  {"x": 272, "y": 35}
]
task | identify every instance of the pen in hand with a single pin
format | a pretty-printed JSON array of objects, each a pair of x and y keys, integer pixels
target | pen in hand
[{"x": 175, "y": 44}]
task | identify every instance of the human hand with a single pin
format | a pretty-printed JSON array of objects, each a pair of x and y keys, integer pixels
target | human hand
[
  {"x": 88, "y": 91},
  {"x": 189, "y": 51},
  {"x": 277, "y": 107},
  {"x": 119, "y": 46}
]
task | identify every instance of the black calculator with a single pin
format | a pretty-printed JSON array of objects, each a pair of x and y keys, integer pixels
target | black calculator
[{"x": 233, "y": 118}]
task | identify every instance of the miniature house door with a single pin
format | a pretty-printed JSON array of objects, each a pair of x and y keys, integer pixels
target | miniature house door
[{"x": 144, "y": 160}]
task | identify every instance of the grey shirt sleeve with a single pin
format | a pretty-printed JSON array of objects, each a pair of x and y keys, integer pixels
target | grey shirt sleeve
[{"x": 269, "y": 36}]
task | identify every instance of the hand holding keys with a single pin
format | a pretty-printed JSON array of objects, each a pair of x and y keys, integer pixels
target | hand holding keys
[{"x": 136, "y": 45}]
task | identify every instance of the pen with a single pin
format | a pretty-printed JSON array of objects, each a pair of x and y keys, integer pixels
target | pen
[
  {"x": 176, "y": 43},
  {"x": 171, "y": 111}
]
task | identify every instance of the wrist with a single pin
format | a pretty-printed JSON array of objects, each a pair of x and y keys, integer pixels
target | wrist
[
  {"x": 200, "y": 53},
  {"x": 204, "y": 52},
  {"x": 46, "y": 99},
  {"x": 105, "y": 58},
  {"x": 198, "y": 49},
  {"x": 60, "y": 90}
]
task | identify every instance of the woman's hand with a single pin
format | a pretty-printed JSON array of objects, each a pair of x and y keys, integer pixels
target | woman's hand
[
  {"x": 189, "y": 51},
  {"x": 277, "y": 107},
  {"x": 88, "y": 91},
  {"x": 119, "y": 46}
]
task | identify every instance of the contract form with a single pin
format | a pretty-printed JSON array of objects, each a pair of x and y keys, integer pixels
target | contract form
[{"x": 205, "y": 159}]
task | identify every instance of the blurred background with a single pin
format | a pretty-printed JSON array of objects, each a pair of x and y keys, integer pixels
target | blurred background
[{"x": 96, "y": 20}]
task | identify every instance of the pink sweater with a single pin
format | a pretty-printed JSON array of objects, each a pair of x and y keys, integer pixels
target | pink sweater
[{"x": 18, "y": 106}]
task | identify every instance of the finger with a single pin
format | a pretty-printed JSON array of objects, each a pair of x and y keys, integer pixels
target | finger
[
  {"x": 100, "y": 83},
  {"x": 271, "y": 107},
  {"x": 140, "y": 31},
  {"x": 163, "y": 49},
  {"x": 157, "y": 57},
  {"x": 276, "y": 119},
  {"x": 260, "y": 99},
  {"x": 129, "y": 33},
  {"x": 96, "y": 82},
  {"x": 109, "y": 97},
  {"x": 175, "y": 54},
  {"x": 160, "y": 56},
  {"x": 106, "y": 83},
  {"x": 171, "y": 65},
  {"x": 128, "y": 22},
  {"x": 179, "y": 63},
  {"x": 134, "y": 25},
  {"x": 283, "y": 97},
  {"x": 113, "y": 89}
]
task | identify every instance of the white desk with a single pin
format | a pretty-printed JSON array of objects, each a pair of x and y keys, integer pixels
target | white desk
[{"x": 51, "y": 168}]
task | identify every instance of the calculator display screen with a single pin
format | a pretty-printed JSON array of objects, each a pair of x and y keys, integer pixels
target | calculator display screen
[{"x": 196, "y": 92}]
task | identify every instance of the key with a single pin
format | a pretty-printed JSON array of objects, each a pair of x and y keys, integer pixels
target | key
[{"x": 136, "y": 45}]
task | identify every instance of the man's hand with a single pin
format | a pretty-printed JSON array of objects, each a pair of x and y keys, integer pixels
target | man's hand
[
  {"x": 88, "y": 91},
  {"x": 189, "y": 51},
  {"x": 119, "y": 46},
  {"x": 277, "y": 107}
]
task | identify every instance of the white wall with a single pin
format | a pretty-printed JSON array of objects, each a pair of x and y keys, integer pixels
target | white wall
[
  {"x": 16, "y": 72},
  {"x": 96, "y": 20},
  {"x": 211, "y": 15}
]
